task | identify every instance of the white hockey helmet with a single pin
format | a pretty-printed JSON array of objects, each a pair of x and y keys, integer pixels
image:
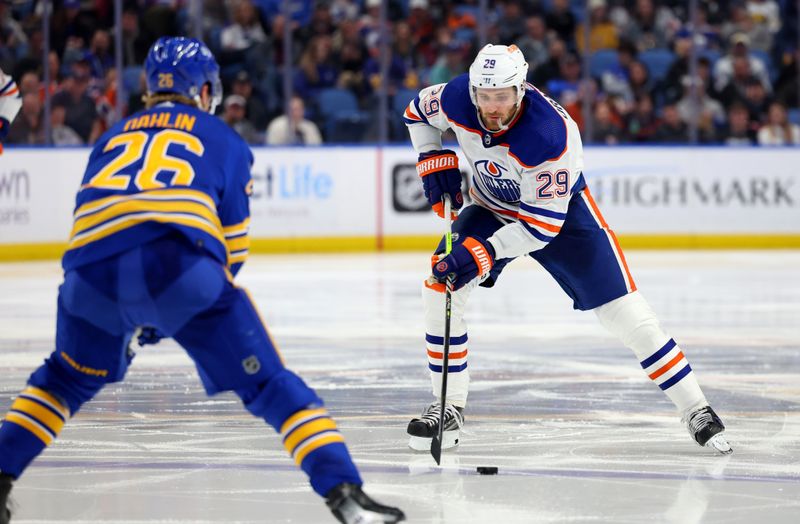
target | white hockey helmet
[{"x": 498, "y": 66}]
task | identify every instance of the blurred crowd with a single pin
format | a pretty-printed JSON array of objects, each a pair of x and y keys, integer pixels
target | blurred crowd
[{"x": 643, "y": 86}]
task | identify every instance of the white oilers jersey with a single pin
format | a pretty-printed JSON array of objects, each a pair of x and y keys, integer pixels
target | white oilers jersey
[{"x": 526, "y": 174}]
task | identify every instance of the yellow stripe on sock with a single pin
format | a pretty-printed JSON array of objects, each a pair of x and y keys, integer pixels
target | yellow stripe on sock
[
  {"x": 294, "y": 419},
  {"x": 307, "y": 430},
  {"x": 42, "y": 415},
  {"x": 48, "y": 398},
  {"x": 30, "y": 426},
  {"x": 316, "y": 444}
]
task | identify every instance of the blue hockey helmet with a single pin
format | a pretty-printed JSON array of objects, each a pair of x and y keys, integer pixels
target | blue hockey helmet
[{"x": 183, "y": 66}]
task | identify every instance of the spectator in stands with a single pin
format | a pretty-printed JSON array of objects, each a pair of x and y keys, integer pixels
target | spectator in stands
[
  {"x": 642, "y": 123},
  {"x": 737, "y": 85},
  {"x": 293, "y": 129},
  {"x": 134, "y": 46},
  {"x": 671, "y": 85},
  {"x": 607, "y": 126},
  {"x": 739, "y": 47},
  {"x": 350, "y": 62},
  {"x": 738, "y": 131},
  {"x": 255, "y": 110},
  {"x": 672, "y": 130},
  {"x": 423, "y": 30},
  {"x": 540, "y": 76},
  {"x": 778, "y": 131},
  {"x": 640, "y": 81},
  {"x": 60, "y": 133},
  {"x": 81, "y": 112},
  {"x": 757, "y": 101},
  {"x": 765, "y": 13},
  {"x": 244, "y": 41},
  {"x": 316, "y": 69},
  {"x": 603, "y": 33},
  {"x": 649, "y": 26},
  {"x": 233, "y": 115},
  {"x": 99, "y": 55},
  {"x": 533, "y": 43},
  {"x": 449, "y": 65},
  {"x": 29, "y": 83},
  {"x": 615, "y": 80},
  {"x": 511, "y": 23},
  {"x": 697, "y": 105},
  {"x": 27, "y": 128},
  {"x": 787, "y": 86},
  {"x": 561, "y": 19},
  {"x": 740, "y": 21},
  {"x": 565, "y": 88}
]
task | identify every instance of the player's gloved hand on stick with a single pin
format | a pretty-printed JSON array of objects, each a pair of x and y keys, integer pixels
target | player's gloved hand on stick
[
  {"x": 149, "y": 335},
  {"x": 440, "y": 176},
  {"x": 472, "y": 258}
]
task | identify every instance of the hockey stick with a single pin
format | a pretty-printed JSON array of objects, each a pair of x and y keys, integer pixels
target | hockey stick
[{"x": 436, "y": 443}]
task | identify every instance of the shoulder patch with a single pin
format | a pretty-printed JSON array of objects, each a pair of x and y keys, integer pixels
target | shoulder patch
[{"x": 540, "y": 135}]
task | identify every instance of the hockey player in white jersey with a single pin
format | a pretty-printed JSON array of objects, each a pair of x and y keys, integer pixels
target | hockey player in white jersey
[{"x": 529, "y": 197}]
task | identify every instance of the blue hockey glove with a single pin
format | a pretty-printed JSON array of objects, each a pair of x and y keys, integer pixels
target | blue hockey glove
[
  {"x": 4, "y": 127},
  {"x": 472, "y": 258},
  {"x": 440, "y": 176},
  {"x": 149, "y": 335}
]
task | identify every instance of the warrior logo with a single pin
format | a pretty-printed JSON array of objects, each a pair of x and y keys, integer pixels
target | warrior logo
[{"x": 491, "y": 175}]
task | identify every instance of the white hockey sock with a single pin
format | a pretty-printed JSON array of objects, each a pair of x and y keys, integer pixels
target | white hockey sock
[
  {"x": 632, "y": 320},
  {"x": 457, "y": 372}
]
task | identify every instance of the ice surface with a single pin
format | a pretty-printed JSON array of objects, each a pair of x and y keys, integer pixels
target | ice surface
[{"x": 578, "y": 431}]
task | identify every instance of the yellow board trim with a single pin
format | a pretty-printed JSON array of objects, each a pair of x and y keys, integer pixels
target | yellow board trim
[{"x": 54, "y": 250}]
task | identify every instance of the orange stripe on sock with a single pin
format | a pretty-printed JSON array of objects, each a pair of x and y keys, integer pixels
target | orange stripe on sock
[
  {"x": 440, "y": 356},
  {"x": 666, "y": 367}
]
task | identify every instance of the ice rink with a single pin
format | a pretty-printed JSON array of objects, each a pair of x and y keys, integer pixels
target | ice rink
[{"x": 563, "y": 409}]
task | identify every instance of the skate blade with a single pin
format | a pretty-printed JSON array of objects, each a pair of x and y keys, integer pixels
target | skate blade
[
  {"x": 450, "y": 440},
  {"x": 719, "y": 444}
]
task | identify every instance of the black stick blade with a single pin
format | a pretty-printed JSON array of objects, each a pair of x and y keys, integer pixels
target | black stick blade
[{"x": 436, "y": 449}]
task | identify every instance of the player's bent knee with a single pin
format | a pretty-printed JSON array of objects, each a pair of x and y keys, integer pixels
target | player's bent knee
[
  {"x": 630, "y": 318},
  {"x": 71, "y": 388},
  {"x": 283, "y": 395}
]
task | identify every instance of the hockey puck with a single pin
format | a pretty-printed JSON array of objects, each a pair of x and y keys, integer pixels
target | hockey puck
[{"x": 487, "y": 470}]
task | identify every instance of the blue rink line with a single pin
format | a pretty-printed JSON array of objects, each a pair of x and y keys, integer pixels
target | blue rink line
[{"x": 464, "y": 471}]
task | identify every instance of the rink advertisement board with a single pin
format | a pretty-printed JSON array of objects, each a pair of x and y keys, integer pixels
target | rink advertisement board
[
  {"x": 37, "y": 193},
  {"x": 346, "y": 198}
]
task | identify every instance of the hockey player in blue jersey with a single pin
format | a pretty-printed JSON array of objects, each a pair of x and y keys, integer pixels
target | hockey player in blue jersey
[
  {"x": 160, "y": 230},
  {"x": 529, "y": 197}
]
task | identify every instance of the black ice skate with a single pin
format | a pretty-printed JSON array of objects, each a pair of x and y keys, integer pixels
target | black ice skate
[
  {"x": 5, "y": 489},
  {"x": 706, "y": 429},
  {"x": 424, "y": 428},
  {"x": 350, "y": 505}
]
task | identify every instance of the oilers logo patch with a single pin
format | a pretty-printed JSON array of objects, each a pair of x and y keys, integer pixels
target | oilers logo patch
[
  {"x": 491, "y": 175},
  {"x": 441, "y": 267}
]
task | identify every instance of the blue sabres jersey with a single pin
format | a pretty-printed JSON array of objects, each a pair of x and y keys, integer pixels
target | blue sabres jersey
[{"x": 165, "y": 169}]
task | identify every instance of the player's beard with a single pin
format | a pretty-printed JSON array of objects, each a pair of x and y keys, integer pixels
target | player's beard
[{"x": 498, "y": 122}]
